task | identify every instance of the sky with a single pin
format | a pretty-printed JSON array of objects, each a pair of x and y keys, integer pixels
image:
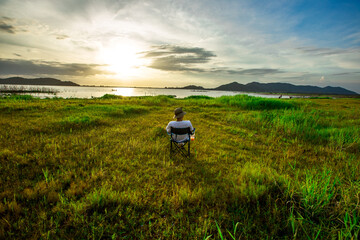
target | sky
[{"x": 175, "y": 43}]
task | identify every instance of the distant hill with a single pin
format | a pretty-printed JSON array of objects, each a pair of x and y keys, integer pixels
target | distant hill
[
  {"x": 194, "y": 87},
  {"x": 37, "y": 81},
  {"x": 283, "y": 88}
]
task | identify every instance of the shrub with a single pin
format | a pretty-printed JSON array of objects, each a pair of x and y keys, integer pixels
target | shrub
[
  {"x": 199, "y": 97},
  {"x": 111, "y": 96}
]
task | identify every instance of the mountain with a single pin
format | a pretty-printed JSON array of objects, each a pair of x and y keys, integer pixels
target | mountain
[
  {"x": 283, "y": 88},
  {"x": 37, "y": 81}
]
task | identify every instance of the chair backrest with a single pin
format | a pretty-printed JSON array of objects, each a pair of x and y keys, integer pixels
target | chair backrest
[{"x": 180, "y": 131}]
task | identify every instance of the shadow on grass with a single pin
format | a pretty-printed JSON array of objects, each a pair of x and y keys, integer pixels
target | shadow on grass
[{"x": 255, "y": 198}]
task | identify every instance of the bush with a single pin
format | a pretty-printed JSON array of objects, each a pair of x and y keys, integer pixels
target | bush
[
  {"x": 111, "y": 96},
  {"x": 199, "y": 97}
]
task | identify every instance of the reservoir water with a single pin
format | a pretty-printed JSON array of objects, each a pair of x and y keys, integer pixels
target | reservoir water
[{"x": 95, "y": 92}]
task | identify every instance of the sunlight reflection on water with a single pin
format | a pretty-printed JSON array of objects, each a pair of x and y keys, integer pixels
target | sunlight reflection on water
[
  {"x": 96, "y": 92},
  {"x": 126, "y": 92}
]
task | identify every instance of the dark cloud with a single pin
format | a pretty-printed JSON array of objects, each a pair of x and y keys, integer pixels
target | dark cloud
[
  {"x": 251, "y": 71},
  {"x": 61, "y": 36},
  {"x": 175, "y": 58},
  {"x": 185, "y": 59},
  {"x": 327, "y": 51},
  {"x": 345, "y": 73},
  {"x": 26, "y": 67},
  {"x": 5, "y": 27},
  {"x": 8, "y": 25},
  {"x": 255, "y": 71}
]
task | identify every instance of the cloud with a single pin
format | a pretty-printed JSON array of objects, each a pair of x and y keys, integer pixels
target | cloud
[
  {"x": 5, "y": 25},
  {"x": 188, "y": 59},
  {"x": 345, "y": 73},
  {"x": 61, "y": 36},
  {"x": 354, "y": 38},
  {"x": 26, "y": 67},
  {"x": 175, "y": 58},
  {"x": 249, "y": 72},
  {"x": 258, "y": 71},
  {"x": 327, "y": 51},
  {"x": 11, "y": 26}
]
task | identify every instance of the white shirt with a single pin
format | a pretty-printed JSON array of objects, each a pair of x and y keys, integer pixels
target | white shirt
[{"x": 180, "y": 124}]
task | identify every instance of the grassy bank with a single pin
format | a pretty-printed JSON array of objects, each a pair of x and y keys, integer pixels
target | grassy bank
[{"x": 100, "y": 169}]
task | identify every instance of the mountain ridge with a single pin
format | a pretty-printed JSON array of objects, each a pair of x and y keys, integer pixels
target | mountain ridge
[
  {"x": 255, "y": 87},
  {"x": 36, "y": 81},
  {"x": 281, "y": 88}
]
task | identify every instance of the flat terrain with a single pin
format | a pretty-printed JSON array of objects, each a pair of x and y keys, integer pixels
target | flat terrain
[{"x": 100, "y": 169}]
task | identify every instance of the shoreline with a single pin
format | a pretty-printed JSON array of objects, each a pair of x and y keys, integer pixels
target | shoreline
[{"x": 44, "y": 89}]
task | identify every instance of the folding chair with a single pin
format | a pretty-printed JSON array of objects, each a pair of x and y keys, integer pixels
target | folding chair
[{"x": 179, "y": 147}]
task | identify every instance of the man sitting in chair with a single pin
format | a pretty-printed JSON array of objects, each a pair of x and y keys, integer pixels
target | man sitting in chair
[{"x": 179, "y": 123}]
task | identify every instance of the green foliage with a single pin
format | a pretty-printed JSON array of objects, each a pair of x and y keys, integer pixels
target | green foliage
[
  {"x": 351, "y": 228},
  {"x": 318, "y": 192},
  {"x": 321, "y": 98},
  {"x": 311, "y": 126},
  {"x": 256, "y": 103},
  {"x": 111, "y": 96},
  {"x": 196, "y": 97}
]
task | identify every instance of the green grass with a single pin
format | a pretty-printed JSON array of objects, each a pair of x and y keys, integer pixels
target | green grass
[
  {"x": 256, "y": 103},
  {"x": 100, "y": 169}
]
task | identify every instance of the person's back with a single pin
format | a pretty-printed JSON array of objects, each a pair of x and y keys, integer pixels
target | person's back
[{"x": 179, "y": 123}]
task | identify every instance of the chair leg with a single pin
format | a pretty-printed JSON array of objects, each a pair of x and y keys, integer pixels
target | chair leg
[
  {"x": 171, "y": 148},
  {"x": 181, "y": 150},
  {"x": 189, "y": 149}
]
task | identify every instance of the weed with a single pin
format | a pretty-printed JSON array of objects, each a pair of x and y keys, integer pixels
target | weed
[
  {"x": 351, "y": 228},
  {"x": 318, "y": 191}
]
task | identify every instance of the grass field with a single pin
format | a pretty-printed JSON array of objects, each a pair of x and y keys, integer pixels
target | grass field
[{"x": 100, "y": 169}]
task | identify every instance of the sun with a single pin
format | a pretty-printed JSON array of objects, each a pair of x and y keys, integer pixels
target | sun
[{"x": 123, "y": 60}]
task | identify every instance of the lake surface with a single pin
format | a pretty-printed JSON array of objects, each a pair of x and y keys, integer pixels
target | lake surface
[{"x": 95, "y": 92}]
